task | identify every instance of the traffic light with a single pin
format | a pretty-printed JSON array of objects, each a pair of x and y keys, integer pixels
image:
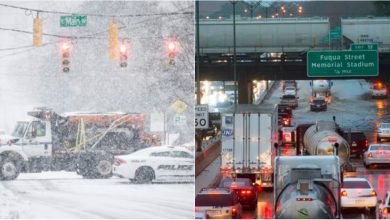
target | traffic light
[
  {"x": 37, "y": 32},
  {"x": 123, "y": 53},
  {"x": 113, "y": 40},
  {"x": 66, "y": 47},
  {"x": 171, "y": 46}
]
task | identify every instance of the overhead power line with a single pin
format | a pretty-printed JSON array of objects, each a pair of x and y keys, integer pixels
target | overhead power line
[{"x": 98, "y": 15}]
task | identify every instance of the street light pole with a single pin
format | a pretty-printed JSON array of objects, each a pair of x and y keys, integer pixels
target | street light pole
[
  {"x": 198, "y": 55},
  {"x": 234, "y": 55}
]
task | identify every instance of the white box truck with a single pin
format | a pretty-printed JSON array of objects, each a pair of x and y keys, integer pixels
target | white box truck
[{"x": 248, "y": 136}]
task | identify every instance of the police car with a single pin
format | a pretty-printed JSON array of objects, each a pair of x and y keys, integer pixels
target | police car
[{"x": 156, "y": 164}]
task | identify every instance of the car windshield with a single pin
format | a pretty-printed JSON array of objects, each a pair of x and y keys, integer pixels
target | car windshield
[
  {"x": 20, "y": 129},
  {"x": 385, "y": 125},
  {"x": 290, "y": 88},
  {"x": 214, "y": 200},
  {"x": 238, "y": 183},
  {"x": 356, "y": 185},
  {"x": 380, "y": 147}
]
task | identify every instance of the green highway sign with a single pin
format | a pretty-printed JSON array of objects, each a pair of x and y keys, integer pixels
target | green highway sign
[
  {"x": 73, "y": 21},
  {"x": 342, "y": 63},
  {"x": 335, "y": 33},
  {"x": 364, "y": 47}
]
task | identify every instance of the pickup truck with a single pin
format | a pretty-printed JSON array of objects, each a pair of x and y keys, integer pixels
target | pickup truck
[{"x": 290, "y": 100}]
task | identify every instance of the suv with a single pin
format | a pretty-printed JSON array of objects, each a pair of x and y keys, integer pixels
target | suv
[
  {"x": 218, "y": 203},
  {"x": 287, "y": 83},
  {"x": 290, "y": 90},
  {"x": 318, "y": 104},
  {"x": 290, "y": 100},
  {"x": 284, "y": 115},
  {"x": 358, "y": 142}
]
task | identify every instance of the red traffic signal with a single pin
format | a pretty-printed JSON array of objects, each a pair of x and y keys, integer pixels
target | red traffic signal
[
  {"x": 65, "y": 47},
  {"x": 171, "y": 46},
  {"x": 123, "y": 53}
]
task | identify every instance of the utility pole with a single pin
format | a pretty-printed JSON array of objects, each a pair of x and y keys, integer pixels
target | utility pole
[
  {"x": 234, "y": 55},
  {"x": 197, "y": 54}
]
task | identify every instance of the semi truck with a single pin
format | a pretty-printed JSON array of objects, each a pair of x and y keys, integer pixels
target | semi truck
[
  {"x": 307, "y": 187},
  {"x": 81, "y": 142},
  {"x": 321, "y": 88},
  {"x": 248, "y": 136}
]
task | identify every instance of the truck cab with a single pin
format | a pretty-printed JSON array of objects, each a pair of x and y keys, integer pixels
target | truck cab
[{"x": 27, "y": 149}]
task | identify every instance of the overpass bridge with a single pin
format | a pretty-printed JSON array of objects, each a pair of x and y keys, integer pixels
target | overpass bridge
[{"x": 276, "y": 49}]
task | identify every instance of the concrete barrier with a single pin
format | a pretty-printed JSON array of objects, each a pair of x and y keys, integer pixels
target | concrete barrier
[{"x": 205, "y": 158}]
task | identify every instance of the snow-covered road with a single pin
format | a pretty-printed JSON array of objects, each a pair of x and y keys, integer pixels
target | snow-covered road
[{"x": 67, "y": 195}]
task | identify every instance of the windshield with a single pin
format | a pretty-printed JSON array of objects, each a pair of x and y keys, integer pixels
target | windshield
[
  {"x": 356, "y": 185},
  {"x": 20, "y": 129},
  {"x": 290, "y": 88},
  {"x": 380, "y": 147}
]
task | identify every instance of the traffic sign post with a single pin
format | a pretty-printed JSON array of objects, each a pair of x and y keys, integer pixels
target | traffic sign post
[
  {"x": 73, "y": 21},
  {"x": 342, "y": 63},
  {"x": 201, "y": 116},
  {"x": 364, "y": 46}
]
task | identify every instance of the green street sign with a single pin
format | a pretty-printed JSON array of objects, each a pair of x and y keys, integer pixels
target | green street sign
[
  {"x": 364, "y": 47},
  {"x": 342, "y": 63},
  {"x": 335, "y": 33},
  {"x": 73, "y": 21}
]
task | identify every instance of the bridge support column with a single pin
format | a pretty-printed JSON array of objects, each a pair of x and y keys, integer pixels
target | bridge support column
[{"x": 244, "y": 89}]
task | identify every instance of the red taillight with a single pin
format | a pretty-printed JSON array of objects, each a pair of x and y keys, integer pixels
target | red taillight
[
  {"x": 373, "y": 193},
  {"x": 366, "y": 143},
  {"x": 369, "y": 155},
  {"x": 386, "y": 211},
  {"x": 246, "y": 192},
  {"x": 343, "y": 193},
  {"x": 234, "y": 212}
]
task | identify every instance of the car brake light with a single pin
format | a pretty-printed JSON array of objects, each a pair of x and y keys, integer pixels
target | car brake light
[
  {"x": 366, "y": 143},
  {"x": 234, "y": 212},
  {"x": 385, "y": 211},
  {"x": 344, "y": 193},
  {"x": 369, "y": 155},
  {"x": 373, "y": 193}
]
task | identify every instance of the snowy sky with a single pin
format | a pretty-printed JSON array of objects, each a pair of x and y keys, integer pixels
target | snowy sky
[{"x": 32, "y": 76}]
